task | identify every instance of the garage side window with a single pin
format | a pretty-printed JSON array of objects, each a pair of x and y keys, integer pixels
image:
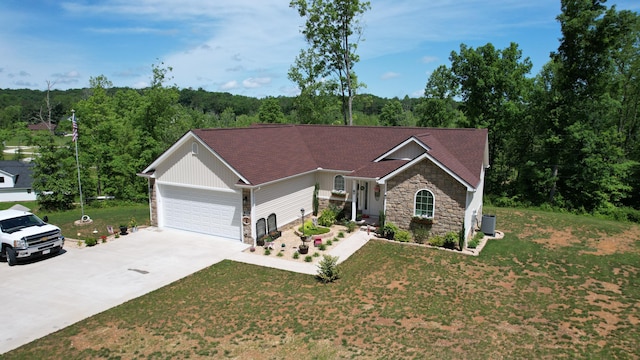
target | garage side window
[
  {"x": 338, "y": 183},
  {"x": 194, "y": 148},
  {"x": 424, "y": 204}
]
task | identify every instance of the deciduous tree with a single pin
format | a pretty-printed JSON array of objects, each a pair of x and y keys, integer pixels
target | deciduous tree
[{"x": 332, "y": 29}]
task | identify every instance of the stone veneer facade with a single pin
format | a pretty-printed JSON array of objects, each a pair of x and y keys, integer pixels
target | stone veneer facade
[
  {"x": 154, "y": 201},
  {"x": 449, "y": 198},
  {"x": 246, "y": 213}
]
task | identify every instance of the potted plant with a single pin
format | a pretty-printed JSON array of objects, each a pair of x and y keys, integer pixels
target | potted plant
[
  {"x": 303, "y": 249},
  {"x": 123, "y": 229},
  {"x": 422, "y": 220},
  {"x": 133, "y": 224},
  {"x": 263, "y": 240},
  {"x": 390, "y": 231}
]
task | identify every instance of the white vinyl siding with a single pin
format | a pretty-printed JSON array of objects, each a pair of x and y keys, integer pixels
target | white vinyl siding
[
  {"x": 285, "y": 199},
  {"x": 326, "y": 181},
  {"x": 409, "y": 151},
  {"x": 202, "y": 169},
  {"x": 17, "y": 195}
]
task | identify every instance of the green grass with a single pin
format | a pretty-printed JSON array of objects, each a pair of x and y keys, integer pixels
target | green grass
[
  {"x": 525, "y": 296},
  {"x": 101, "y": 216}
]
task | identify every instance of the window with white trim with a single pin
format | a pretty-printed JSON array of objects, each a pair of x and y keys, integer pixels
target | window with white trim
[
  {"x": 338, "y": 184},
  {"x": 424, "y": 204}
]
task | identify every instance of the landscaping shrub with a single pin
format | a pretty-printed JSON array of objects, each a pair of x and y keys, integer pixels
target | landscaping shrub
[
  {"x": 450, "y": 240},
  {"x": 473, "y": 243},
  {"x": 90, "y": 242},
  {"x": 296, "y": 255},
  {"x": 420, "y": 234},
  {"x": 403, "y": 236},
  {"x": 351, "y": 226},
  {"x": 310, "y": 229},
  {"x": 390, "y": 230},
  {"x": 328, "y": 270},
  {"x": 436, "y": 241},
  {"x": 322, "y": 247},
  {"x": 328, "y": 216},
  {"x": 308, "y": 258}
]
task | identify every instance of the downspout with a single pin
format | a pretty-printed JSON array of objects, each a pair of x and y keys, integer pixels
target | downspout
[
  {"x": 253, "y": 213},
  {"x": 150, "y": 190},
  {"x": 384, "y": 200},
  {"x": 354, "y": 199}
]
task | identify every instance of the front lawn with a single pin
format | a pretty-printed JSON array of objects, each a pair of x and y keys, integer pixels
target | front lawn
[
  {"x": 557, "y": 286},
  {"x": 101, "y": 214}
]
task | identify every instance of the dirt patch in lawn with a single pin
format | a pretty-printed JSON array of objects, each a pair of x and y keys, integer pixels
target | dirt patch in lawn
[
  {"x": 602, "y": 245},
  {"x": 620, "y": 243}
]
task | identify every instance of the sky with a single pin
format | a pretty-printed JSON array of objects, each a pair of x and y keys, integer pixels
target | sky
[{"x": 246, "y": 47}]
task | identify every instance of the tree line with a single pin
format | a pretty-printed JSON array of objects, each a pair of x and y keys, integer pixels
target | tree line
[{"x": 566, "y": 137}]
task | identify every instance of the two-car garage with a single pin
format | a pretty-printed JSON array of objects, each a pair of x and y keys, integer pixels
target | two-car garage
[{"x": 216, "y": 213}]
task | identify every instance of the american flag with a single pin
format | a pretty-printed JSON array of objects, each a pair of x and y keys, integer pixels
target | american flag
[{"x": 75, "y": 128}]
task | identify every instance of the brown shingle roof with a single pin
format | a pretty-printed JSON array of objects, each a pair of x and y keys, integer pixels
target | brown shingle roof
[{"x": 269, "y": 152}]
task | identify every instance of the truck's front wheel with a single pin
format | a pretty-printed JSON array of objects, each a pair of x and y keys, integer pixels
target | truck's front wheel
[{"x": 11, "y": 256}]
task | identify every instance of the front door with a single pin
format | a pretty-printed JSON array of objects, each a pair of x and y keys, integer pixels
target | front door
[{"x": 370, "y": 198}]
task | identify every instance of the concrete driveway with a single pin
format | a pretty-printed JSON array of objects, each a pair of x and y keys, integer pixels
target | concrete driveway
[{"x": 40, "y": 297}]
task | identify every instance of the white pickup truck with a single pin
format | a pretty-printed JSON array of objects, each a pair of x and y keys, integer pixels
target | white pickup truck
[{"x": 24, "y": 235}]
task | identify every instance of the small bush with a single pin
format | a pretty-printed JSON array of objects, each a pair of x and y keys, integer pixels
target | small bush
[
  {"x": 310, "y": 229},
  {"x": 473, "y": 243},
  {"x": 450, "y": 240},
  {"x": 296, "y": 255},
  {"x": 267, "y": 251},
  {"x": 308, "y": 258},
  {"x": 90, "y": 242},
  {"x": 328, "y": 216},
  {"x": 329, "y": 242},
  {"x": 436, "y": 241},
  {"x": 351, "y": 226},
  {"x": 421, "y": 235},
  {"x": 322, "y": 247},
  {"x": 280, "y": 254},
  {"x": 316, "y": 254},
  {"x": 328, "y": 270},
  {"x": 390, "y": 230},
  {"x": 403, "y": 236},
  {"x": 340, "y": 235}
]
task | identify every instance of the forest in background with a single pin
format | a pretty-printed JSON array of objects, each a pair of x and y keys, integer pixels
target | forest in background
[{"x": 564, "y": 138}]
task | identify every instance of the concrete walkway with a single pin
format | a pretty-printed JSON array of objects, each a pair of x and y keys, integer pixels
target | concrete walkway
[{"x": 43, "y": 296}]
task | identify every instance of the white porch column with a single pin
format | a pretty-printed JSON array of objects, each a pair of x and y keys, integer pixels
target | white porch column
[{"x": 354, "y": 199}]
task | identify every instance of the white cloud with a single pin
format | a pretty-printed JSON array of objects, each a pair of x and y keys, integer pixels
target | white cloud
[
  {"x": 389, "y": 75},
  {"x": 429, "y": 59},
  {"x": 252, "y": 83},
  {"x": 71, "y": 77},
  {"x": 230, "y": 85}
]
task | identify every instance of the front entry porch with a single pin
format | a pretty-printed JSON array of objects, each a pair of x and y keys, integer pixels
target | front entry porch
[{"x": 367, "y": 201}]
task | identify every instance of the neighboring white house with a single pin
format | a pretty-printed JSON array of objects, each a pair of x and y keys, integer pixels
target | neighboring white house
[
  {"x": 16, "y": 181},
  {"x": 225, "y": 182}
]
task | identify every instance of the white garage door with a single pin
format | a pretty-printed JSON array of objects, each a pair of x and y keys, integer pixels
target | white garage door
[{"x": 204, "y": 211}]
